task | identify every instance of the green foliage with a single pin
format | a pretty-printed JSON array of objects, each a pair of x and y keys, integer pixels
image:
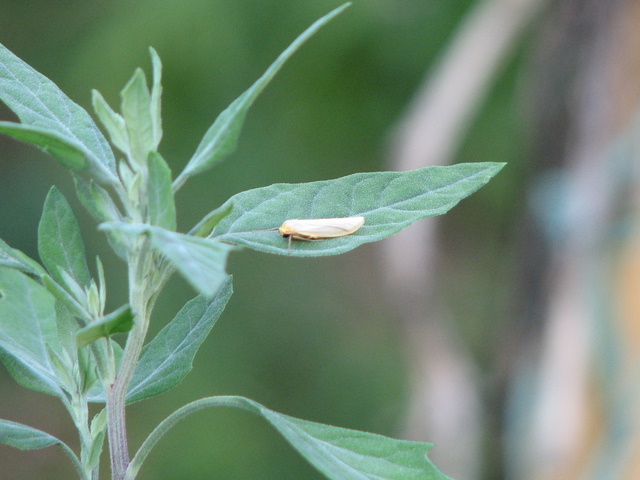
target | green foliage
[
  {"x": 51, "y": 121},
  {"x": 28, "y": 326},
  {"x": 60, "y": 244},
  {"x": 12, "y": 258},
  {"x": 222, "y": 137},
  {"x": 162, "y": 210},
  {"x": 389, "y": 201},
  {"x": 339, "y": 453},
  {"x": 54, "y": 335},
  {"x": 200, "y": 261},
  {"x": 166, "y": 360},
  {"x": 24, "y": 437},
  {"x": 118, "y": 321}
]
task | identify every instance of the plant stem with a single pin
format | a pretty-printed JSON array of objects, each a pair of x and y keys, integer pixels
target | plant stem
[{"x": 116, "y": 396}]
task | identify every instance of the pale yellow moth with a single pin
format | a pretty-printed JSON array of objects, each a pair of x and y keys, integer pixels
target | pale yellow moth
[{"x": 316, "y": 229}]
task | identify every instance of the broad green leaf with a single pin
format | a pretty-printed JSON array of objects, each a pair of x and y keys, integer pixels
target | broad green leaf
[
  {"x": 339, "y": 453},
  {"x": 113, "y": 122},
  {"x": 27, "y": 326},
  {"x": 389, "y": 202},
  {"x": 12, "y": 258},
  {"x": 166, "y": 360},
  {"x": 118, "y": 321},
  {"x": 60, "y": 244},
  {"x": 40, "y": 104},
  {"x": 69, "y": 153},
  {"x": 136, "y": 111},
  {"x": 23, "y": 437},
  {"x": 221, "y": 138},
  {"x": 344, "y": 454},
  {"x": 200, "y": 261},
  {"x": 156, "y": 94},
  {"x": 161, "y": 207},
  {"x": 204, "y": 226}
]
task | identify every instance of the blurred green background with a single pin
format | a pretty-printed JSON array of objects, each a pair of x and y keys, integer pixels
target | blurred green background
[{"x": 311, "y": 338}]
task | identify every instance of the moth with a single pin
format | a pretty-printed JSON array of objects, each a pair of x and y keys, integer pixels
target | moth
[{"x": 316, "y": 229}]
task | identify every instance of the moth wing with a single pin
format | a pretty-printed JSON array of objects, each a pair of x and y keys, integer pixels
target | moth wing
[{"x": 325, "y": 227}]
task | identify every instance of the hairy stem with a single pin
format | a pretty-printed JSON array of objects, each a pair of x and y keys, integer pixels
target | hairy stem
[{"x": 116, "y": 397}]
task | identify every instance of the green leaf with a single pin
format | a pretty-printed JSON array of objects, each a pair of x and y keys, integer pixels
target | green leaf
[
  {"x": 67, "y": 327},
  {"x": 60, "y": 244},
  {"x": 63, "y": 296},
  {"x": 200, "y": 261},
  {"x": 389, "y": 201},
  {"x": 69, "y": 153},
  {"x": 137, "y": 116},
  {"x": 12, "y": 258},
  {"x": 23, "y": 437},
  {"x": 27, "y": 325},
  {"x": 221, "y": 138},
  {"x": 156, "y": 96},
  {"x": 339, "y": 453},
  {"x": 118, "y": 321},
  {"x": 166, "y": 360},
  {"x": 161, "y": 207},
  {"x": 97, "y": 429},
  {"x": 40, "y": 104},
  {"x": 344, "y": 454},
  {"x": 113, "y": 122},
  {"x": 97, "y": 201},
  {"x": 93, "y": 387},
  {"x": 204, "y": 226}
]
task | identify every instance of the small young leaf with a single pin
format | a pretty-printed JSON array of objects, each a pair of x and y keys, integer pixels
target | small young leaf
[
  {"x": 99, "y": 422},
  {"x": 113, "y": 122},
  {"x": 63, "y": 296},
  {"x": 156, "y": 94},
  {"x": 93, "y": 388},
  {"x": 200, "y": 261},
  {"x": 63, "y": 367},
  {"x": 12, "y": 258},
  {"x": 27, "y": 325},
  {"x": 95, "y": 451},
  {"x": 59, "y": 241},
  {"x": 66, "y": 327},
  {"x": 40, "y": 104},
  {"x": 161, "y": 207},
  {"x": 166, "y": 360},
  {"x": 221, "y": 138},
  {"x": 389, "y": 202},
  {"x": 137, "y": 116},
  {"x": 97, "y": 201},
  {"x": 24, "y": 437},
  {"x": 339, "y": 453},
  {"x": 118, "y": 321}
]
